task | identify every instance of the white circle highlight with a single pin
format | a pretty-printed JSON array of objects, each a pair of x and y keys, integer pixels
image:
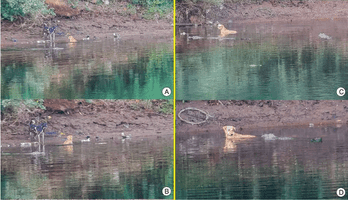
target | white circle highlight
[
  {"x": 341, "y": 91},
  {"x": 166, "y": 191},
  {"x": 166, "y": 91},
  {"x": 340, "y": 192}
]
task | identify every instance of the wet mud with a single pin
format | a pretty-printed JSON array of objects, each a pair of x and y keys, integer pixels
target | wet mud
[
  {"x": 106, "y": 119},
  {"x": 249, "y": 115}
]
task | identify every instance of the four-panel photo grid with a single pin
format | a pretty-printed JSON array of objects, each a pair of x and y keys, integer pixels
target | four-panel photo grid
[{"x": 163, "y": 99}]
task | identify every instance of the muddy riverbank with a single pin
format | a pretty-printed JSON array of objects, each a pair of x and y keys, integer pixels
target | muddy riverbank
[
  {"x": 99, "y": 21},
  {"x": 247, "y": 115},
  {"x": 106, "y": 119},
  {"x": 262, "y": 12}
]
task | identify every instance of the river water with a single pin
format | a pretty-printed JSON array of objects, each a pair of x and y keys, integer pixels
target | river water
[{"x": 210, "y": 167}]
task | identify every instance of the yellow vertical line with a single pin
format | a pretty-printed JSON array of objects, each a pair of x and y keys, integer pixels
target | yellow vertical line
[{"x": 174, "y": 97}]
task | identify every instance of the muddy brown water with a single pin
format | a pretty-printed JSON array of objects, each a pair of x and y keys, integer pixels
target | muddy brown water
[
  {"x": 108, "y": 169},
  {"x": 276, "y": 60},
  {"x": 211, "y": 167},
  {"x": 105, "y": 68}
]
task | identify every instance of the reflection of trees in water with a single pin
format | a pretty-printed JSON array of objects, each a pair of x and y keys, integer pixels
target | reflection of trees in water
[
  {"x": 293, "y": 169},
  {"x": 274, "y": 68},
  {"x": 138, "y": 170},
  {"x": 87, "y": 73}
]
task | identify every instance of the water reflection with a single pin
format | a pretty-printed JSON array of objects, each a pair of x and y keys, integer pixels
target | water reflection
[
  {"x": 269, "y": 61},
  {"x": 105, "y": 69},
  {"x": 209, "y": 166},
  {"x": 116, "y": 170}
]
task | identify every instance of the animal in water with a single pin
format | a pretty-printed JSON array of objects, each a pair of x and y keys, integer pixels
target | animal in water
[
  {"x": 230, "y": 145},
  {"x": 125, "y": 136},
  {"x": 40, "y": 128},
  {"x": 224, "y": 31},
  {"x": 88, "y": 139},
  {"x": 116, "y": 36},
  {"x": 231, "y": 134},
  {"x": 69, "y": 140},
  {"x": 37, "y": 131},
  {"x": 32, "y": 127},
  {"x": 317, "y": 140},
  {"x": 71, "y": 38},
  {"x": 49, "y": 32},
  {"x": 86, "y": 38}
]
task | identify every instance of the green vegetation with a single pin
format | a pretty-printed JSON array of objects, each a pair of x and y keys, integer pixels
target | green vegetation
[
  {"x": 14, "y": 105},
  {"x": 16, "y": 109},
  {"x": 155, "y": 8},
  {"x": 37, "y": 9},
  {"x": 167, "y": 107},
  {"x": 161, "y": 106},
  {"x": 13, "y": 9}
]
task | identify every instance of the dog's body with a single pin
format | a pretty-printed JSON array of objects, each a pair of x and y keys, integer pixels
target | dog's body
[
  {"x": 230, "y": 145},
  {"x": 69, "y": 140},
  {"x": 72, "y": 39},
  {"x": 230, "y": 134},
  {"x": 224, "y": 31}
]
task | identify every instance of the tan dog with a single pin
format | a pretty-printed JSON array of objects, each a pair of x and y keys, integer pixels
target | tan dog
[
  {"x": 230, "y": 134},
  {"x": 69, "y": 140},
  {"x": 230, "y": 145},
  {"x": 71, "y": 38},
  {"x": 224, "y": 31}
]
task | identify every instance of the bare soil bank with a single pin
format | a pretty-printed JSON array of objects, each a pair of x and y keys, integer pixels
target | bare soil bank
[
  {"x": 261, "y": 114},
  {"x": 265, "y": 12},
  {"x": 102, "y": 118},
  {"x": 100, "y": 24}
]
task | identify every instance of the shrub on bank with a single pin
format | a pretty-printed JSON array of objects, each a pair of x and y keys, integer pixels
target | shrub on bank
[
  {"x": 12, "y": 9},
  {"x": 17, "y": 109}
]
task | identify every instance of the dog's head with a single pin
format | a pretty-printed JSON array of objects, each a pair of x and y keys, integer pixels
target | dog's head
[
  {"x": 220, "y": 26},
  {"x": 229, "y": 130}
]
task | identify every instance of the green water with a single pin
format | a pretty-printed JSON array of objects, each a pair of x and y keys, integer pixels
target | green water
[
  {"x": 116, "y": 170},
  {"x": 260, "y": 169},
  {"x": 107, "y": 69},
  {"x": 264, "y": 61}
]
